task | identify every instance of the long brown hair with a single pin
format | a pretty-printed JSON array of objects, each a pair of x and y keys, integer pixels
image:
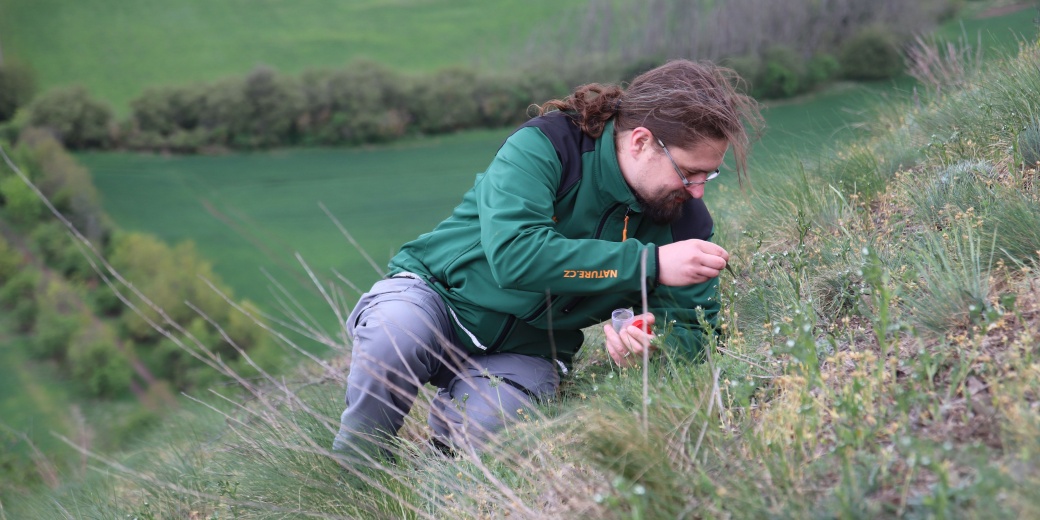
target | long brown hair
[{"x": 682, "y": 102}]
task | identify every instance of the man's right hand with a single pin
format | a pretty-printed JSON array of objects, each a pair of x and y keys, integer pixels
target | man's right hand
[{"x": 690, "y": 262}]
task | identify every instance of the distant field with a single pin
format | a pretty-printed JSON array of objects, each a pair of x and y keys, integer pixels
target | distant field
[
  {"x": 253, "y": 211},
  {"x": 999, "y": 34},
  {"x": 116, "y": 48}
]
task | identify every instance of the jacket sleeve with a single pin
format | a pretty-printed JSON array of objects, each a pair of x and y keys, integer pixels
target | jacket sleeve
[{"x": 515, "y": 202}]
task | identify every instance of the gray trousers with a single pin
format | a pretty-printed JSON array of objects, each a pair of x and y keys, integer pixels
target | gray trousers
[{"x": 402, "y": 339}]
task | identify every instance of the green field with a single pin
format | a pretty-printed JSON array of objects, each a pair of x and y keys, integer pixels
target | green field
[
  {"x": 249, "y": 212},
  {"x": 117, "y": 48}
]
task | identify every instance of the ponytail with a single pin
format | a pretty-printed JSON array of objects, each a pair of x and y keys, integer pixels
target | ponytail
[{"x": 593, "y": 105}]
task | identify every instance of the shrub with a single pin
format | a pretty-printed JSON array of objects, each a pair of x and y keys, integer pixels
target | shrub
[
  {"x": 822, "y": 67},
  {"x": 59, "y": 251},
  {"x": 21, "y": 205},
  {"x": 65, "y": 183},
  {"x": 782, "y": 73},
  {"x": 18, "y": 295},
  {"x": 73, "y": 117},
  {"x": 444, "y": 102},
  {"x": 871, "y": 54},
  {"x": 105, "y": 302},
  {"x": 95, "y": 360},
  {"x": 271, "y": 104},
  {"x": 17, "y": 86},
  {"x": 60, "y": 317},
  {"x": 10, "y": 261},
  {"x": 362, "y": 103},
  {"x": 502, "y": 100},
  {"x": 165, "y": 110},
  {"x": 168, "y": 277},
  {"x": 225, "y": 109}
]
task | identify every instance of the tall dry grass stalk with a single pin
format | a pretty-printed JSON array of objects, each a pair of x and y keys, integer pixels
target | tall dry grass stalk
[{"x": 942, "y": 65}]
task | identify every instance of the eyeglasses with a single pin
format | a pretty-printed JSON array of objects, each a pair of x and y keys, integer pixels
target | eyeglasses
[{"x": 686, "y": 182}]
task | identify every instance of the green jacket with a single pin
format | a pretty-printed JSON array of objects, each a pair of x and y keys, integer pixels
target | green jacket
[{"x": 542, "y": 229}]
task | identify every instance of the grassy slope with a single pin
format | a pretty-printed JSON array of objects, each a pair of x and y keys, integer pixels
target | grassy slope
[
  {"x": 31, "y": 400},
  {"x": 117, "y": 48},
  {"x": 794, "y": 108},
  {"x": 881, "y": 364}
]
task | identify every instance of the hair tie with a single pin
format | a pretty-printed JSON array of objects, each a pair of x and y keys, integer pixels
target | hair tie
[{"x": 617, "y": 105}]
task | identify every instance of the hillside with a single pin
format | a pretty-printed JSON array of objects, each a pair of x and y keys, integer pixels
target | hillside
[{"x": 880, "y": 361}]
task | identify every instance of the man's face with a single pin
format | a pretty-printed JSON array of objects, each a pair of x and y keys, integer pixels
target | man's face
[{"x": 658, "y": 187}]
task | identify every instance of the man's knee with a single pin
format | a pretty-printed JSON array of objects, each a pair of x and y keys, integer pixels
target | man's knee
[{"x": 474, "y": 408}]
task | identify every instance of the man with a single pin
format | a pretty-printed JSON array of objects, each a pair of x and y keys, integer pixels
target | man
[{"x": 489, "y": 306}]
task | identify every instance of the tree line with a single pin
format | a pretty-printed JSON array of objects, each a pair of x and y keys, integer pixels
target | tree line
[{"x": 782, "y": 49}]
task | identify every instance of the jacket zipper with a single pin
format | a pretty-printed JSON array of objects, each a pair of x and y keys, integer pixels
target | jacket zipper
[{"x": 503, "y": 333}]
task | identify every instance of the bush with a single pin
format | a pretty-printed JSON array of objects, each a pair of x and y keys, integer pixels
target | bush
[
  {"x": 106, "y": 302},
  {"x": 271, "y": 106},
  {"x": 65, "y": 183},
  {"x": 168, "y": 277},
  {"x": 444, "y": 102},
  {"x": 17, "y": 86},
  {"x": 822, "y": 68},
  {"x": 362, "y": 103},
  {"x": 10, "y": 261},
  {"x": 21, "y": 205},
  {"x": 95, "y": 360},
  {"x": 165, "y": 110},
  {"x": 18, "y": 295},
  {"x": 782, "y": 73},
  {"x": 169, "y": 118},
  {"x": 73, "y": 117},
  {"x": 59, "y": 251},
  {"x": 60, "y": 317},
  {"x": 225, "y": 107},
  {"x": 502, "y": 100},
  {"x": 871, "y": 54}
]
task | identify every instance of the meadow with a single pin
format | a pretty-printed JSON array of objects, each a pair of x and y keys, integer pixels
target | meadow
[{"x": 133, "y": 45}]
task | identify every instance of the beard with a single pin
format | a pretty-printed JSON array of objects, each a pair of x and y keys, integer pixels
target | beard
[{"x": 666, "y": 208}]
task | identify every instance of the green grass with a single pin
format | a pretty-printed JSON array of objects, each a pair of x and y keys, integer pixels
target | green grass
[
  {"x": 117, "y": 48},
  {"x": 999, "y": 35},
  {"x": 32, "y": 400}
]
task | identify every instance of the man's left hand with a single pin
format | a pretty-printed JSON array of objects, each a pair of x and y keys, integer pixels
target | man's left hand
[{"x": 627, "y": 346}]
